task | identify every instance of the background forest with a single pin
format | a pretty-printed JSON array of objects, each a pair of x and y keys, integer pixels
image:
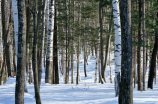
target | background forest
[{"x": 54, "y": 37}]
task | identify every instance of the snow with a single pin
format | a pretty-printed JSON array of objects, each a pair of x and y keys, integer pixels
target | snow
[{"x": 86, "y": 92}]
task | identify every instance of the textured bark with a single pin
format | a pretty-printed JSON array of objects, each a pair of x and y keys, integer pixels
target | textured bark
[
  {"x": 126, "y": 64},
  {"x": 117, "y": 27},
  {"x": 20, "y": 77},
  {"x": 139, "y": 50},
  {"x": 49, "y": 53}
]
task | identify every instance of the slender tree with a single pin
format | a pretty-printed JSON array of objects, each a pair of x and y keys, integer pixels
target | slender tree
[
  {"x": 117, "y": 27},
  {"x": 144, "y": 44},
  {"x": 49, "y": 53},
  {"x": 34, "y": 57}
]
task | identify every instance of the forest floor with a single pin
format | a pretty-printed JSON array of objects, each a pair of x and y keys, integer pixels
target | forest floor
[{"x": 86, "y": 92}]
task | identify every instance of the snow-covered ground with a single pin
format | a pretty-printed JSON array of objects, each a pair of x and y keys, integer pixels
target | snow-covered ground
[{"x": 86, "y": 92}]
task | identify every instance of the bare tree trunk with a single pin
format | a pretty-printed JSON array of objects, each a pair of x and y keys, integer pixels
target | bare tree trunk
[
  {"x": 118, "y": 48},
  {"x": 49, "y": 56},
  {"x": 85, "y": 61},
  {"x": 139, "y": 50},
  {"x": 126, "y": 63},
  {"x": 34, "y": 57},
  {"x": 66, "y": 28},
  {"x": 41, "y": 44},
  {"x": 55, "y": 73},
  {"x": 101, "y": 41},
  {"x": 144, "y": 45},
  {"x": 20, "y": 77}
]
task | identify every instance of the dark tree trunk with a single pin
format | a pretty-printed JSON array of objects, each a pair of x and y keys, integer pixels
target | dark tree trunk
[
  {"x": 126, "y": 65},
  {"x": 101, "y": 41},
  {"x": 139, "y": 50},
  {"x": 55, "y": 56},
  {"x": 20, "y": 76},
  {"x": 153, "y": 59}
]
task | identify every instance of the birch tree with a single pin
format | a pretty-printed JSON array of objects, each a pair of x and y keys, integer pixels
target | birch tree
[
  {"x": 49, "y": 50},
  {"x": 117, "y": 27}
]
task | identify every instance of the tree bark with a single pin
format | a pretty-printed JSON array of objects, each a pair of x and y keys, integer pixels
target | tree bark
[
  {"x": 49, "y": 53},
  {"x": 117, "y": 27},
  {"x": 126, "y": 63},
  {"x": 139, "y": 50},
  {"x": 20, "y": 77}
]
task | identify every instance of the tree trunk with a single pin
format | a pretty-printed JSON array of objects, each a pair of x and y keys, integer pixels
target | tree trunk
[
  {"x": 95, "y": 79},
  {"x": 117, "y": 28},
  {"x": 153, "y": 58},
  {"x": 110, "y": 66},
  {"x": 34, "y": 58},
  {"x": 41, "y": 44},
  {"x": 144, "y": 45},
  {"x": 30, "y": 71},
  {"x": 20, "y": 77},
  {"x": 126, "y": 64},
  {"x": 55, "y": 56},
  {"x": 66, "y": 28},
  {"x": 85, "y": 61},
  {"x": 49, "y": 53},
  {"x": 101, "y": 41},
  {"x": 139, "y": 50},
  {"x": 2, "y": 69}
]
